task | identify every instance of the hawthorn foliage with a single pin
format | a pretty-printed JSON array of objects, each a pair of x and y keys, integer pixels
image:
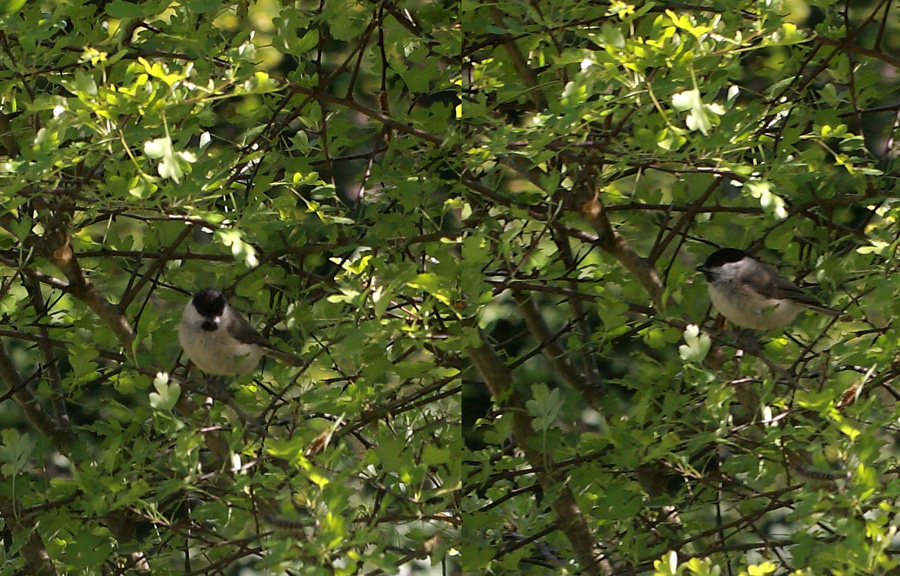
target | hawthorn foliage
[
  {"x": 612, "y": 427},
  {"x": 299, "y": 156}
]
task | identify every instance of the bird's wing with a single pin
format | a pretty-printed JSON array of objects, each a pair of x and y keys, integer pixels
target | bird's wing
[
  {"x": 246, "y": 333},
  {"x": 771, "y": 284}
]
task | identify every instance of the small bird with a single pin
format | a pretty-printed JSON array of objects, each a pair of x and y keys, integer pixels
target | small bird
[
  {"x": 752, "y": 294},
  {"x": 219, "y": 341}
]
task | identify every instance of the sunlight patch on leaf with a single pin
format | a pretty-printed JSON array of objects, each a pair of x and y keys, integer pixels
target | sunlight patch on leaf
[
  {"x": 242, "y": 251},
  {"x": 771, "y": 202},
  {"x": 696, "y": 344},
  {"x": 789, "y": 34},
  {"x": 434, "y": 285},
  {"x": 171, "y": 163},
  {"x": 158, "y": 70},
  {"x": 879, "y": 247},
  {"x": 702, "y": 116},
  {"x": 761, "y": 569},
  {"x": 290, "y": 450},
  {"x": 167, "y": 393},
  {"x": 10, "y": 6}
]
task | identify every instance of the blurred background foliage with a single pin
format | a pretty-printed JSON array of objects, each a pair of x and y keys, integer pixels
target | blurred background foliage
[
  {"x": 612, "y": 146},
  {"x": 301, "y": 157}
]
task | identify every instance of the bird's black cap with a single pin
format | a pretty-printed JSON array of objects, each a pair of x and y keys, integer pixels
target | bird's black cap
[
  {"x": 723, "y": 256},
  {"x": 209, "y": 302},
  {"x": 720, "y": 257}
]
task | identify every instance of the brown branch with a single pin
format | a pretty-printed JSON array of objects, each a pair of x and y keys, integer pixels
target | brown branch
[
  {"x": 47, "y": 351},
  {"x": 615, "y": 245},
  {"x": 155, "y": 267},
  {"x": 518, "y": 59},
  {"x": 28, "y": 402},
  {"x": 682, "y": 222},
  {"x": 607, "y": 239},
  {"x": 134, "y": 54},
  {"x": 554, "y": 352},
  {"x": 40, "y": 276},
  {"x": 45, "y": 340},
  {"x": 895, "y": 62},
  {"x": 58, "y": 249},
  {"x": 34, "y": 553},
  {"x": 571, "y": 521}
]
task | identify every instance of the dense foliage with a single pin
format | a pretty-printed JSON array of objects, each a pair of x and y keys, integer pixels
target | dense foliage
[
  {"x": 300, "y": 157},
  {"x": 319, "y": 162},
  {"x": 610, "y": 148}
]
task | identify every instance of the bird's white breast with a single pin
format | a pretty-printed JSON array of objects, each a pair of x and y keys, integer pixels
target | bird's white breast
[
  {"x": 215, "y": 351},
  {"x": 751, "y": 310}
]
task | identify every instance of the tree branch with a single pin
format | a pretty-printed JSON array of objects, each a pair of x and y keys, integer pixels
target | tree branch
[
  {"x": 499, "y": 380},
  {"x": 554, "y": 352},
  {"x": 615, "y": 245},
  {"x": 28, "y": 402},
  {"x": 34, "y": 553}
]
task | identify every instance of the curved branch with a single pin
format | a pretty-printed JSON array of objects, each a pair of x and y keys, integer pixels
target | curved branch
[
  {"x": 57, "y": 247},
  {"x": 554, "y": 352},
  {"x": 47, "y": 351},
  {"x": 34, "y": 553},
  {"x": 28, "y": 402},
  {"x": 571, "y": 521},
  {"x": 616, "y": 246}
]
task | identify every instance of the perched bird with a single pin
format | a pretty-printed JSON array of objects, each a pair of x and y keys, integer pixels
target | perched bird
[
  {"x": 219, "y": 341},
  {"x": 752, "y": 294}
]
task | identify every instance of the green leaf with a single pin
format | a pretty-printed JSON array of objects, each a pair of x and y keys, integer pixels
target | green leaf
[
  {"x": 438, "y": 286},
  {"x": 545, "y": 406},
  {"x": 432, "y": 455},
  {"x": 89, "y": 548},
  {"x": 122, "y": 9},
  {"x": 761, "y": 569},
  {"x": 10, "y": 6},
  {"x": 15, "y": 452}
]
